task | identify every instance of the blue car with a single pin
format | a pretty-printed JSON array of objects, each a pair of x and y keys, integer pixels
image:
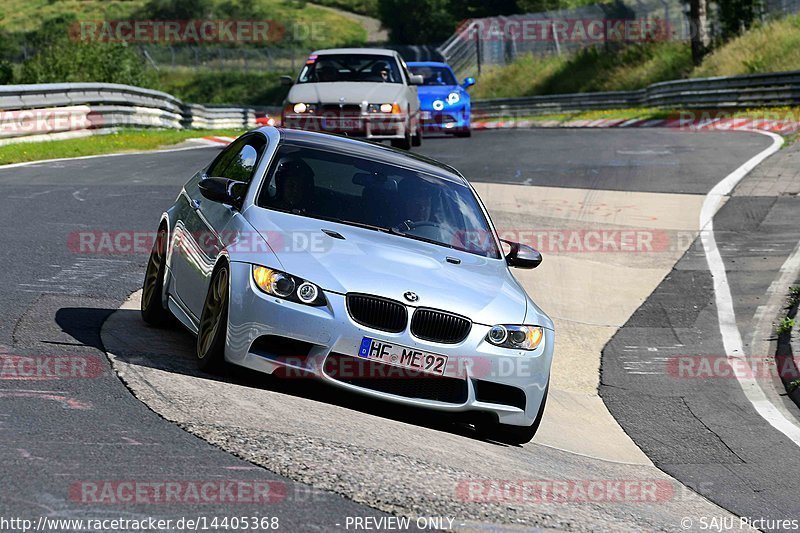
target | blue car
[{"x": 444, "y": 104}]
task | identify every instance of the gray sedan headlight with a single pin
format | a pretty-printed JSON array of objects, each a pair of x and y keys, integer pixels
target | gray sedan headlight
[
  {"x": 383, "y": 108},
  {"x": 283, "y": 285},
  {"x": 516, "y": 337},
  {"x": 302, "y": 107}
]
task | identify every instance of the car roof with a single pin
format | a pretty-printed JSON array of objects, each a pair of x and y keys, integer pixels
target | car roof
[
  {"x": 373, "y": 51},
  {"x": 428, "y": 64},
  {"x": 369, "y": 150}
]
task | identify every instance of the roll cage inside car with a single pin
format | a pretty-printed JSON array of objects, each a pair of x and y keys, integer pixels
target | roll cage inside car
[{"x": 350, "y": 67}]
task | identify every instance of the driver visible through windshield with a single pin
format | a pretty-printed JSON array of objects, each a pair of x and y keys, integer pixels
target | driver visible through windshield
[
  {"x": 434, "y": 75},
  {"x": 365, "y": 193},
  {"x": 350, "y": 67}
]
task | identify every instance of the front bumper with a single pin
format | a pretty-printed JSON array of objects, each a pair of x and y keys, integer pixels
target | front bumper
[
  {"x": 376, "y": 126},
  {"x": 449, "y": 119},
  {"x": 331, "y": 334}
]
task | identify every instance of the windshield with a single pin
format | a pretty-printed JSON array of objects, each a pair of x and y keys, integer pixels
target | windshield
[
  {"x": 435, "y": 75},
  {"x": 361, "y": 192},
  {"x": 350, "y": 67}
]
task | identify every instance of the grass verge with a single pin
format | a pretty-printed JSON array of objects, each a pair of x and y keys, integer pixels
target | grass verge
[
  {"x": 781, "y": 114},
  {"x": 771, "y": 47},
  {"x": 128, "y": 140},
  {"x": 307, "y": 25},
  {"x": 593, "y": 69}
]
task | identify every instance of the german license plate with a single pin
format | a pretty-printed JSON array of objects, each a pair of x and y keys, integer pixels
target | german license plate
[
  {"x": 343, "y": 124},
  {"x": 426, "y": 115},
  {"x": 402, "y": 356}
]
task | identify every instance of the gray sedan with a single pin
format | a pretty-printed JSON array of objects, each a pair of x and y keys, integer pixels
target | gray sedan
[
  {"x": 359, "y": 92},
  {"x": 310, "y": 255}
]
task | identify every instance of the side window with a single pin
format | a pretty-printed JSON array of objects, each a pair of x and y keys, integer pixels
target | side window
[
  {"x": 406, "y": 73},
  {"x": 239, "y": 162},
  {"x": 224, "y": 159}
]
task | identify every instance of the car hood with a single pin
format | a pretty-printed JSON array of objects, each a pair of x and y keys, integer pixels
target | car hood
[
  {"x": 352, "y": 92},
  {"x": 373, "y": 262},
  {"x": 429, "y": 93},
  {"x": 438, "y": 91}
]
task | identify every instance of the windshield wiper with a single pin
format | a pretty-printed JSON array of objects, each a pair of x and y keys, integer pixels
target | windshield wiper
[
  {"x": 359, "y": 224},
  {"x": 392, "y": 231}
]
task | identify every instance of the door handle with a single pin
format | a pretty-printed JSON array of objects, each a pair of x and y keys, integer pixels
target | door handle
[{"x": 195, "y": 204}]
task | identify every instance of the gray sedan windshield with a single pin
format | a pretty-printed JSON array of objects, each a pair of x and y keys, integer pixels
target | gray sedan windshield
[
  {"x": 365, "y": 193},
  {"x": 350, "y": 67}
]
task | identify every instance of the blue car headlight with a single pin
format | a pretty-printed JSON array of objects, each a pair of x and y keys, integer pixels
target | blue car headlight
[
  {"x": 453, "y": 98},
  {"x": 283, "y": 285}
]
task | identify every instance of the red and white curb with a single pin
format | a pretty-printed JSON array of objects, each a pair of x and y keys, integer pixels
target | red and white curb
[
  {"x": 783, "y": 127},
  {"x": 216, "y": 141}
]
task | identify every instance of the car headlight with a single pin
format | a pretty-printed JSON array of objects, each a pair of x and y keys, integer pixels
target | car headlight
[
  {"x": 383, "y": 108},
  {"x": 453, "y": 98},
  {"x": 283, "y": 285},
  {"x": 302, "y": 107},
  {"x": 517, "y": 337},
  {"x": 438, "y": 105}
]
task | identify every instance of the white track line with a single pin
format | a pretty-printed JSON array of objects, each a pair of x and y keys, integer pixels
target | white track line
[
  {"x": 731, "y": 337},
  {"x": 115, "y": 154}
]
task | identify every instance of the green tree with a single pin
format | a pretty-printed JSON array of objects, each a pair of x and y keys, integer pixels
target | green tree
[
  {"x": 61, "y": 58},
  {"x": 417, "y": 21},
  {"x": 468, "y": 9},
  {"x": 176, "y": 9},
  {"x": 738, "y": 16}
]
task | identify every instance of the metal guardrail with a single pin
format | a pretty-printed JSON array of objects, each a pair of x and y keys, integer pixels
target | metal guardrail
[
  {"x": 43, "y": 111},
  {"x": 734, "y": 92},
  {"x": 55, "y": 110}
]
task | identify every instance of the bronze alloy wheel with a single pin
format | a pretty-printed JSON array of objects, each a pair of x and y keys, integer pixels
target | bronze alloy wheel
[
  {"x": 153, "y": 310},
  {"x": 213, "y": 323}
]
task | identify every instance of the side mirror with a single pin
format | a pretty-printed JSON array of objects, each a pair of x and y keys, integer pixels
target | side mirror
[
  {"x": 222, "y": 190},
  {"x": 522, "y": 256},
  {"x": 416, "y": 79},
  {"x": 286, "y": 81},
  {"x": 468, "y": 82}
]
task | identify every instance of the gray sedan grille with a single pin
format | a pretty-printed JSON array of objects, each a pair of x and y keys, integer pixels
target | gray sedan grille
[
  {"x": 438, "y": 326},
  {"x": 346, "y": 110},
  {"x": 377, "y": 313}
]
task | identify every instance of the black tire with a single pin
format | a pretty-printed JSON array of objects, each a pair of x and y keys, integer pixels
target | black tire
[
  {"x": 513, "y": 434},
  {"x": 416, "y": 139},
  {"x": 405, "y": 142},
  {"x": 213, "y": 326},
  {"x": 464, "y": 133},
  {"x": 153, "y": 310}
]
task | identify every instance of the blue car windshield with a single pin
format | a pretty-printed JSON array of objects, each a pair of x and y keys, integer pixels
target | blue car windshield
[
  {"x": 435, "y": 75},
  {"x": 350, "y": 67},
  {"x": 383, "y": 197}
]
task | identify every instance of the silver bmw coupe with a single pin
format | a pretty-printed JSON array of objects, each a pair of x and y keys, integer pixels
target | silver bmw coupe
[{"x": 307, "y": 254}]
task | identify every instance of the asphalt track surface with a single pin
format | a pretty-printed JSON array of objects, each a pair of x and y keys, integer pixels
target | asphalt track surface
[
  {"x": 695, "y": 424},
  {"x": 56, "y": 433}
]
